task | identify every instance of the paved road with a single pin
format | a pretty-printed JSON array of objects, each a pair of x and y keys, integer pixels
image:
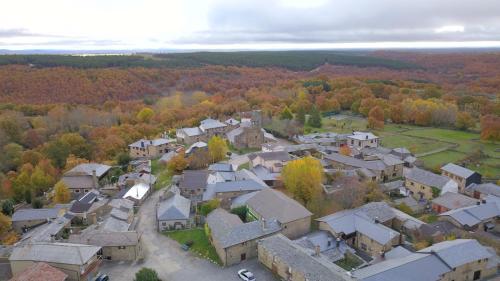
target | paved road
[{"x": 172, "y": 264}]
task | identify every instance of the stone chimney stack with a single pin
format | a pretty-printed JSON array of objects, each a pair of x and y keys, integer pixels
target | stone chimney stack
[
  {"x": 95, "y": 181},
  {"x": 337, "y": 242},
  {"x": 263, "y": 223},
  {"x": 317, "y": 250}
]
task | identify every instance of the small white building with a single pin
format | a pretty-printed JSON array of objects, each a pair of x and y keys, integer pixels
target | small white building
[
  {"x": 137, "y": 193},
  {"x": 360, "y": 140}
]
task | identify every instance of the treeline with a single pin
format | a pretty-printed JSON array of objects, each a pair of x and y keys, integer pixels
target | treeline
[{"x": 293, "y": 60}]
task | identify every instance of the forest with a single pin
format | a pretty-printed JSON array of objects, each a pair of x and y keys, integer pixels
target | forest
[{"x": 56, "y": 112}]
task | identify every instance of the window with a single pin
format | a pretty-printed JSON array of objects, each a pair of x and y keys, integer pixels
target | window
[
  {"x": 77, "y": 190},
  {"x": 477, "y": 275},
  {"x": 363, "y": 246}
]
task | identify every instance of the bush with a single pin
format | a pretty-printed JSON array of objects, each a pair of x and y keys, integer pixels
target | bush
[
  {"x": 8, "y": 207},
  {"x": 208, "y": 207},
  {"x": 37, "y": 203},
  {"x": 146, "y": 274}
]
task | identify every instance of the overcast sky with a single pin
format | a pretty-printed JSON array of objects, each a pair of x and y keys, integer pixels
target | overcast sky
[{"x": 253, "y": 24}]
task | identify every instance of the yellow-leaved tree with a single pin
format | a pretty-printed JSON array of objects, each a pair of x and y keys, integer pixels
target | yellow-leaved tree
[
  {"x": 217, "y": 148},
  {"x": 303, "y": 178},
  {"x": 61, "y": 193}
]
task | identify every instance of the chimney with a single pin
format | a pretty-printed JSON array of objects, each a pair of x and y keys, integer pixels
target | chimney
[
  {"x": 94, "y": 179},
  {"x": 376, "y": 220},
  {"x": 317, "y": 250},
  {"x": 337, "y": 242},
  {"x": 263, "y": 223}
]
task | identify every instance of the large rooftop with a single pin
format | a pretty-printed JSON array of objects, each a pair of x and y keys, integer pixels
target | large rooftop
[{"x": 63, "y": 253}]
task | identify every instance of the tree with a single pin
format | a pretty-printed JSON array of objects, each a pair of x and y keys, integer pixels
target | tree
[
  {"x": 123, "y": 159},
  {"x": 208, "y": 207},
  {"x": 5, "y": 224},
  {"x": 146, "y": 274},
  {"x": 37, "y": 203},
  {"x": 58, "y": 152},
  {"x": 145, "y": 114},
  {"x": 345, "y": 150},
  {"x": 286, "y": 113},
  {"x": 10, "y": 159},
  {"x": 376, "y": 118},
  {"x": 61, "y": 193},
  {"x": 8, "y": 207},
  {"x": 303, "y": 178},
  {"x": 40, "y": 180},
  {"x": 217, "y": 148},
  {"x": 490, "y": 127},
  {"x": 464, "y": 121},
  {"x": 301, "y": 116},
  {"x": 315, "y": 118},
  {"x": 373, "y": 193},
  {"x": 178, "y": 163}
]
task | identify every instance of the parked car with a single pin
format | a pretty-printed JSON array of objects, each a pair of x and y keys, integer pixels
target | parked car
[
  {"x": 102, "y": 277},
  {"x": 246, "y": 275}
]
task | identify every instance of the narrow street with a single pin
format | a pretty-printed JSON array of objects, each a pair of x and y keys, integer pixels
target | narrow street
[{"x": 172, "y": 264}]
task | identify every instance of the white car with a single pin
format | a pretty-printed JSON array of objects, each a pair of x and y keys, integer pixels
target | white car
[{"x": 246, "y": 275}]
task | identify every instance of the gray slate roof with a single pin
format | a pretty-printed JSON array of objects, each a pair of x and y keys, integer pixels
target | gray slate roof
[
  {"x": 266, "y": 203},
  {"x": 297, "y": 258},
  {"x": 174, "y": 208},
  {"x": 457, "y": 170},
  {"x": 485, "y": 188},
  {"x": 459, "y": 251},
  {"x": 145, "y": 142},
  {"x": 63, "y": 253},
  {"x": 377, "y": 165},
  {"x": 78, "y": 181},
  {"x": 35, "y": 214},
  {"x": 221, "y": 167},
  {"x": 473, "y": 215},
  {"x": 232, "y": 186},
  {"x": 87, "y": 168},
  {"x": 426, "y": 177},
  {"x": 211, "y": 124},
  {"x": 452, "y": 200},
  {"x": 106, "y": 238},
  {"x": 228, "y": 229},
  {"x": 193, "y": 179},
  {"x": 271, "y": 156}
]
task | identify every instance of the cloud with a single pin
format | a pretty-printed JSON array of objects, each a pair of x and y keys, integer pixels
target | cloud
[{"x": 348, "y": 21}]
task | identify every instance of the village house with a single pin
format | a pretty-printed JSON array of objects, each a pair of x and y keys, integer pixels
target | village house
[
  {"x": 272, "y": 161},
  {"x": 234, "y": 240},
  {"x": 462, "y": 176},
  {"x": 89, "y": 207},
  {"x": 425, "y": 185},
  {"x": 173, "y": 212},
  {"x": 40, "y": 271},
  {"x": 294, "y": 219},
  {"x": 387, "y": 168},
  {"x": 144, "y": 148},
  {"x": 290, "y": 261},
  {"x": 483, "y": 216},
  {"x": 450, "y": 201},
  {"x": 458, "y": 260},
  {"x": 193, "y": 184},
  {"x": 371, "y": 227},
  {"x": 85, "y": 177},
  {"x": 79, "y": 262},
  {"x": 482, "y": 190},
  {"x": 137, "y": 193},
  {"x": 115, "y": 245},
  {"x": 25, "y": 219},
  {"x": 323, "y": 139},
  {"x": 225, "y": 192},
  {"x": 360, "y": 140},
  {"x": 207, "y": 129}
]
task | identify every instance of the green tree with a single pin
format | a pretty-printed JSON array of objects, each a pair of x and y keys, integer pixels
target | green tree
[
  {"x": 5, "y": 223},
  {"x": 20, "y": 185},
  {"x": 27, "y": 196},
  {"x": 315, "y": 118},
  {"x": 217, "y": 148},
  {"x": 77, "y": 145},
  {"x": 41, "y": 181},
  {"x": 209, "y": 206},
  {"x": 464, "y": 121},
  {"x": 301, "y": 116},
  {"x": 8, "y": 207},
  {"x": 286, "y": 114},
  {"x": 37, "y": 203},
  {"x": 145, "y": 114},
  {"x": 146, "y": 274},
  {"x": 10, "y": 159},
  {"x": 61, "y": 193},
  {"x": 303, "y": 178},
  {"x": 57, "y": 151},
  {"x": 123, "y": 159}
]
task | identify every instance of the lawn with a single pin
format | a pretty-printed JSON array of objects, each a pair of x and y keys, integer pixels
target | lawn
[
  {"x": 201, "y": 244},
  {"x": 415, "y": 145},
  {"x": 349, "y": 262},
  {"x": 163, "y": 176}
]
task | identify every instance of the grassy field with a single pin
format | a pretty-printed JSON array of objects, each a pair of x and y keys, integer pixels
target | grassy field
[
  {"x": 456, "y": 145},
  {"x": 201, "y": 244},
  {"x": 163, "y": 176}
]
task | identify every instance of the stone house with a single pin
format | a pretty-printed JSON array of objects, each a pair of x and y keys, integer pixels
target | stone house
[
  {"x": 79, "y": 262},
  {"x": 225, "y": 192},
  {"x": 424, "y": 185},
  {"x": 458, "y": 260},
  {"x": 483, "y": 190},
  {"x": 290, "y": 261},
  {"x": 193, "y": 184},
  {"x": 234, "y": 240},
  {"x": 116, "y": 245},
  {"x": 450, "y": 201},
  {"x": 144, "y": 148},
  {"x": 462, "y": 176},
  {"x": 360, "y": 140},
  {"x": 25, "y": 219},
  {"x": 85, "y": 177},
  {"x": 272, "y": 161},
  {"x": 294, "y": 219},
  {"x": 246, "y": 137},
  {"x": 89, "y": 207},
  {"x": 172, "y": 212},
  {"x": 207, "y": 129},
  {"x": 482, "y": 216}
]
